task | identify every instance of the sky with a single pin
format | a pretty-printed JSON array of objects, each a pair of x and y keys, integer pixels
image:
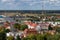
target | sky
[{"x": 29, "y": 4}]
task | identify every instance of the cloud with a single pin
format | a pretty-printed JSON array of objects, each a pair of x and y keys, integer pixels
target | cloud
[
  {"x": 7, "y": 0},
  {"x": 10, "y": 4},
  {"x": 35, "y": 2},
  {"x": 4, "y": 0},
  {"x": 55, "y": 3},
  {"x": 27, "y": 0},
  {"x": 29, "y": 3},
  {"x": 54, "y": 0}
]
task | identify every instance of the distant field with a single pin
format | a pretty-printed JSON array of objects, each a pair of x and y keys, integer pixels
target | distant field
[{"x": 29, "y": 12}]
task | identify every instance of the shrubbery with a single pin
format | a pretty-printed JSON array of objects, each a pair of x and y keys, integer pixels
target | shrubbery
[
  {"x": 2, "y": 33},
  {"x": 20, "y": 26},
  {"x": 42, "y": 37},
  {"x": 10, "y": 38},
  {"x": 45, "y": 36}
]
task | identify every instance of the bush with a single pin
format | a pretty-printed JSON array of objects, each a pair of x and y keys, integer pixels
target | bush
[
  {"x": 43, "y": 37},
  {"x": 17, "y": 26},
  {"x": 10, "y": 38},
  {"x": 2, "y": 36},
  {"x": 30, "y": 37},
  {"x": 20, "y": 26},
  {"x": 25, "y": 38},
  {"x": 18, "y": 38},
  {"x": 7, "y": 30},
  {"x": 40, "y": 37},
  {"x": 23, "y": 27},
  {"x": 2, "y": 33}
]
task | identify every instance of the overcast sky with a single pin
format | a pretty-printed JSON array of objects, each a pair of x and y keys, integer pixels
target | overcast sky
[{"x": 29, "y": 4}]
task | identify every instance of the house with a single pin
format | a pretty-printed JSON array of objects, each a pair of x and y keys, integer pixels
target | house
[
  {"x": 44, "y": 26},
  {"x": 31, "y": 25},
  {"x": 7, "y": 25},
  {"x": 54, "y": 23},
  {"x": 38, "y": 26},
  {"x": 58, "y": 16},
  {"x": 29, "y": 31},
  {"x": 15, "y": 34},
  {"x": 9, "y": 34}
]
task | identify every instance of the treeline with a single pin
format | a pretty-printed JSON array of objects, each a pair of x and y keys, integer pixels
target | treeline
[
  {"x": 45, "y": 36},
  {"x": 42, "y": 37}
]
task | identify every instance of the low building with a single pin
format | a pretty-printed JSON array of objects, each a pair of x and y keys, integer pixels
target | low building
[{"x": 39, "y": 26}]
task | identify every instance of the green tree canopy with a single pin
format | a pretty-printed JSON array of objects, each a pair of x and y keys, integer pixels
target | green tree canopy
[
  {"x": 23, "y": 27},
  {"x": 10, "y": 38},
  {"x": 17, "y": 26},
  {"x": 2, "y": 33},
  {"x": 18, "y": 38}
]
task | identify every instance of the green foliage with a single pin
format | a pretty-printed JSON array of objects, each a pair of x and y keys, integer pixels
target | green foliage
[
  {"x": 30, "y": 37},
  {"x": 2, "y": 29},
  {"x": 18, "y": 38},
  {"x": 57, "y": 29},
  {"x": 2, "y": 36},
  {"x": 23, "y": 27},
  {"x": 7, "y": 30},
  {"x": 17, "y": 26},
  {"x": 20, "y": 27},
  {"x": 10, "y": 38},
  {"x": 50, "y": 28},
  {"x": 17, "y": 20},
  {"x": 26, "y": 38},
  {"x": 42, "y": 37},
  {"x": 2, "y": 33}
]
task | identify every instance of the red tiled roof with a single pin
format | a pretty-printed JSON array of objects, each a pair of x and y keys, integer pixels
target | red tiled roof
[
  {"x": 27, "y": 23},
  {"x": 28, "y": 31},
  {"x": 31, "y": 24},
  {"x": 58, "y": 16}
]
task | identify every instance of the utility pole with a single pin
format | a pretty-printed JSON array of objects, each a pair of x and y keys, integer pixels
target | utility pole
[
  {"x": 42, "y": 6},
  {"x": 43, "y": 9}
]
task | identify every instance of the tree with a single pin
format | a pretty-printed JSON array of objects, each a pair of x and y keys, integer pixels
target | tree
[
  {"x": 18, "y": 38},
  {"x": 17, "y": 26},
  {"x": 40, "y": 37},
  {"x": 30, "y": 37},
  {"x": 17, "y": 20},
  {"x": 25, "y": 38},
  {"x": 20, "y": 27},
  {"x": 2, "y": 33},
  {"x": 57, "y": 29},
  {"x": 45, "y": 36},
  {"x": 7, "y": 30},
  {"x": 49, "y": 27},
  {"x": 10, "y": 38},
  {"x": 23, "y": 27}
]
